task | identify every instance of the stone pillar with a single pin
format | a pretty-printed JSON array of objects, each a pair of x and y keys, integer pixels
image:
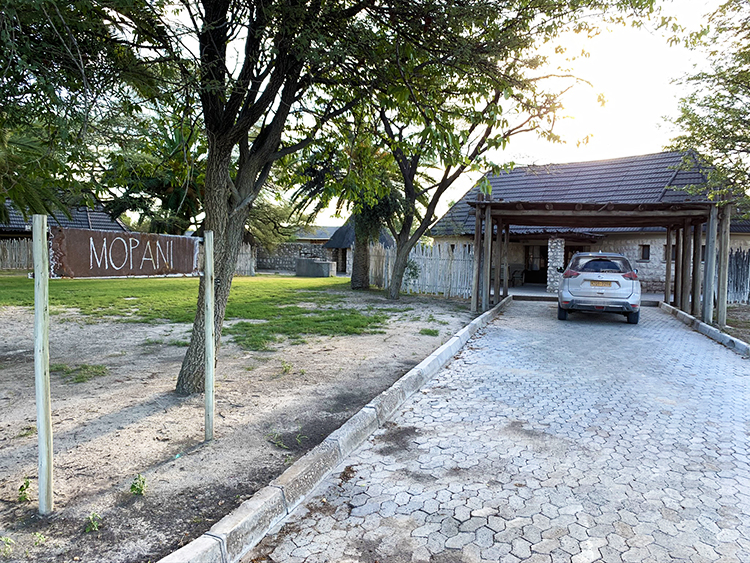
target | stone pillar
[{"x": 555, "y": 259}]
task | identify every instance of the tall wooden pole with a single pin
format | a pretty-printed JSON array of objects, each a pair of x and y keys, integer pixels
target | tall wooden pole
[
  {"x": 41, "y": 363},
  {"x": 477, "y": 257},
  {"x": 686, "y": 240},
  {"x": 506, "y": 270},
  {"x": 210, "y": 335},
  {"x": 677, "y": 267},
  {"x": 668, "y": 272},
  {"x": 498, "y": 260},
  {"x": 487, "y": 271},
  {"x": 722, "y": 290},
  {"x": 695, "y": 309},
  {"x": 709, "y": 273}
]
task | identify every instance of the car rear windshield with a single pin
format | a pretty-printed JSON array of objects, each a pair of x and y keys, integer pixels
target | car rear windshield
[{"x": 605, "y": 264}]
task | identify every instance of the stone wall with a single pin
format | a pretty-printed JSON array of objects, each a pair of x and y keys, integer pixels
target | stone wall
[
  {"x": 284, "y": 258},
  {"x": 555, "y": 259}
]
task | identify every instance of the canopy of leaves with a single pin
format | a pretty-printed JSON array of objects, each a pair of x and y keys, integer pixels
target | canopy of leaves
[{"x": 715, "y": 116}]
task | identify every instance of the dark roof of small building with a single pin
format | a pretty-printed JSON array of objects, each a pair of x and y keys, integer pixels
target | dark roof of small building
[
  {"x": 344, "y": 236},
  {"x": 80, "y": 218},
  {"x": 315, "y": 232},
  {"x": 650, "y": 178}
]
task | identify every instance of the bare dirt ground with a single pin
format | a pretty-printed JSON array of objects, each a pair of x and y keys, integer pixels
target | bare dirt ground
[
  {"x": 738, "y": 319},
  {"x": 271, "y": 408}
]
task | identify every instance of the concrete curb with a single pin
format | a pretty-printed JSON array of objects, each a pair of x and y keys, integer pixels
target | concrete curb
[
  {"x": 238, "y": 532},
  {"x": 735, "y": 344}
]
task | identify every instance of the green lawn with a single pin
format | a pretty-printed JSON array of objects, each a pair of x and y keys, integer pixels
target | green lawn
[{"x": 278, "y": 305}]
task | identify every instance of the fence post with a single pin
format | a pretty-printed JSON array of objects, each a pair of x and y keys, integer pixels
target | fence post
[
  {"x": 724, "y": 223},
  {"x": 41, "y": 363},
  {"x": 210, "y": 334},
  {"x": 709, "y": 273}
]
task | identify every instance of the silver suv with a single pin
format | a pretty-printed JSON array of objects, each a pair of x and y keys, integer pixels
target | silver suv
[{"x": 599, "y": 281}]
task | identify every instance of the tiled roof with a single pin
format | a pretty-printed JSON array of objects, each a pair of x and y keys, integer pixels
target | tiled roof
[
  {"x": 81, "y": 218},
  {"x": 344, "y": 236},
  {"x": 315, "y": 232},
  {"x": 650, "y": 178}
]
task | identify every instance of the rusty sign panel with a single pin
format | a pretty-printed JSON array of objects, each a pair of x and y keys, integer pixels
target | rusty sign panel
[{"x": 82, "y": 253}]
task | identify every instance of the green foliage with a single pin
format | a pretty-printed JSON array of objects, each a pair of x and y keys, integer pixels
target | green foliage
[
  {"x": 429, "y": 332},
  {"x": 93, "y": 523},
  {"x": 39, "y": 539},
  {"x": 715, "y": 115},
  {"x": 23, "y": 491},
  {"x": 6, "y": 546},
  {"x": 138, "y": 486}
]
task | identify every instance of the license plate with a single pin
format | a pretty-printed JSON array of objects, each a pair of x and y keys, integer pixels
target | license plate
[{"x": 601, "y": 284}]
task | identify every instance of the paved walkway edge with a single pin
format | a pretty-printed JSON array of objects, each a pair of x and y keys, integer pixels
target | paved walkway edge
[
  {"x": 735, "y": 344},
  {"x": 237, "y": 533}
]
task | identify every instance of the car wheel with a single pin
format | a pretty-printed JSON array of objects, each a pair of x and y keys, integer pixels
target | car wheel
[
  {"x": 633, "y": 317},
  {"x": 562, "y": 314}
]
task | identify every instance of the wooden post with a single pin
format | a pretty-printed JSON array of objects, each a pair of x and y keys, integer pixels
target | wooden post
[
  {"x": 677, "y": 266},
  {"x": 695, "y": 309},
  {"x": 686, "y": 254},
  {"x": 724, "y": 223},
  {"x": 668, "y": 272},
  {"x": 41, "y": 363},
  {"x": 498, "y": 260},
  {"x": 477, "y": 257},
  {"x": 506, "y": 270},
  {"x": 709, "y": 272},
  {"x": 487, "y": 257},
  {"x": 210, "y": 334}
]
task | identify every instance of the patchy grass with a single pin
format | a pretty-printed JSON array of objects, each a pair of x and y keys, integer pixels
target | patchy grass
[
  {"x": 286, "y": 307},
  {"x": 429, "y": 332},
  {"x": 80, "y": 373}
]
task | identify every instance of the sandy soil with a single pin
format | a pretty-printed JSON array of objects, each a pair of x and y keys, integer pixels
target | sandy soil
[
  {"x": 738, "y": 319},
  {"x": 271, "y": 408}
]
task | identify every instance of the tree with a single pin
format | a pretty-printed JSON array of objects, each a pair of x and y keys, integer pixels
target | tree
[
  {"x": 715, "y": 117},
  {"x": 449, "y": 86},
  {"x": 60, "y": 62}
]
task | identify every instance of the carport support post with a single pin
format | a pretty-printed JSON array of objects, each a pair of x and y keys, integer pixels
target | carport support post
[
  {"x": 685, "y": 293},
  {"x": 498, "y": 260},
  {"x": 709, "y": 273},
  {"x": 696, "y": 292},
  {"x": 41, "y": 362},
  {"x": 477, "y": 256},
  {"x": 724, "y": 222},
  {"x": 677, "y": 267},
  {"x": 668, "y": 272},
  {"x": 506, "y": 270},
  {"x": 487, "y": 257},
  {"x": 208, "y": 284}
]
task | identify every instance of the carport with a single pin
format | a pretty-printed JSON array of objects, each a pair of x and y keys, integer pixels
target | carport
[{"x": 685, "y": 223}]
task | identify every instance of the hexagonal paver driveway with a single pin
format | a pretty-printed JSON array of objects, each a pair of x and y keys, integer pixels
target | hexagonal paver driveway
[{"x": 547, "y": 441}]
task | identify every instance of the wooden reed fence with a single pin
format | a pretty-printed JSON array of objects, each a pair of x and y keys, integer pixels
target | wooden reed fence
[
  {"x": 16, "y": 254},
  {"x": 441, "y": 269},
  {"x": 738, "y": 290}
]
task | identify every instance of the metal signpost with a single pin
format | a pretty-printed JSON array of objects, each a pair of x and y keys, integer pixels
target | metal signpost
[{"x": 108, "y": 254}]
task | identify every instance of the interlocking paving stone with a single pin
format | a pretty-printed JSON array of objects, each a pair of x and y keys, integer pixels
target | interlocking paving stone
[{"x": 549, "y": 442}]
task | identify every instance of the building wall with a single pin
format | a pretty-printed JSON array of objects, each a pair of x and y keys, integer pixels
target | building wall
[
  {"x": 284, "y": 257},
  {"x": 651, "y": 272}
]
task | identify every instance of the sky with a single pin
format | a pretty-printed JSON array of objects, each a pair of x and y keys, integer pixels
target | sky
[{"x": 635, "y": 70}]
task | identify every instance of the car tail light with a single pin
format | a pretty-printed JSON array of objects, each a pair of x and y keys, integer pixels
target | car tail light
[
  {"x": 570, "y": 274},
  {"x": 630, "y": 276}
]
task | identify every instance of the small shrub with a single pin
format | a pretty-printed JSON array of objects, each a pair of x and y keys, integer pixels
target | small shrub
[
  {"x": 6, "y": 546},
  {"x": 138, "y": 486},
  {"x": 93, "y": 522},
  {"x": 23, "y": 491},
  {"x": 39, "y": 539}
]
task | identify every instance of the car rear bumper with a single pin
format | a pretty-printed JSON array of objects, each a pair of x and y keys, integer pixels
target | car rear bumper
[{"x": 608, "y": 306}]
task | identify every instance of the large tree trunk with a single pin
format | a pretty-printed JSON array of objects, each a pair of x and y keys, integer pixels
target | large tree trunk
[
  {"x": 227, "y": 229},
  {"x": 361, "y": 264},
  {"x": 399, "y": 268}
]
